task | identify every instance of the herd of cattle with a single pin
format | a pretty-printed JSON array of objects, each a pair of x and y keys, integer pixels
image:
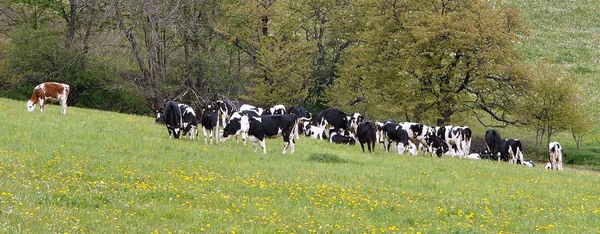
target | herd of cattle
[
  {"x": 331, "y": 124},
  {"x": 336, "y": 126}
]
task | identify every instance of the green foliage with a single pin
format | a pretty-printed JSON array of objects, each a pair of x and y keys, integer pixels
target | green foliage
[
  {"x": 36, "y": 56},
  {"x": 432, "y": 60}
]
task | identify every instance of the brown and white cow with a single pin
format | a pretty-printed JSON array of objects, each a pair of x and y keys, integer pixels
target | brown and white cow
[{"x": 49, "y": 90}]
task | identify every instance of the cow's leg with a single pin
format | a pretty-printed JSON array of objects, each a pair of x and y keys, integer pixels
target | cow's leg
[
  {"x": 216, "y": 132},
  {"x": 363, "y": 147},
  {"x": 204, "y": 133},
  {"x": 401, "y": 148},
  {"x": 263, "y": 146},
  {"x": 520, "y": 155},
  {"x": 63, "y": 103},
  {"x": 559, "y": 157},
  {"x": 292, "y": 144},
  {"x": 286, "y": 141},
  {"x": 41, "y": 102},
  {"x": 244, "y": 137}
]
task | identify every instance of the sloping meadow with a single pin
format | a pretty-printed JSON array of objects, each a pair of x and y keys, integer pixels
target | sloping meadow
[{"x": 93, "y": 171}]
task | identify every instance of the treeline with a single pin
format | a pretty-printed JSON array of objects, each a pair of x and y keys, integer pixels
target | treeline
[{"x": 432, "y": 61}]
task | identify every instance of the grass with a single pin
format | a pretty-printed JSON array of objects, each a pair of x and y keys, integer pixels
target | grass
[{"x": 97, "y": 172}]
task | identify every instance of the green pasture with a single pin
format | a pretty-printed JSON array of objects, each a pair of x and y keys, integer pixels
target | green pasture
[{"x": 103, "y": 172}]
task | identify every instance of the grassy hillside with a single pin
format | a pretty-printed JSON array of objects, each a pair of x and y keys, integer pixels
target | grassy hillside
[{"x": 93, "y": 171}]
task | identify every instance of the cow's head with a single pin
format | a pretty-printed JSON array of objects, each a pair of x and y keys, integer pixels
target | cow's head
[{"x": 30, "y": 106}]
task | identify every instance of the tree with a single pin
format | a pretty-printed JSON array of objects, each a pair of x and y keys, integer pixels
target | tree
[
  {"x": 552, "y": 104},
  {"x": 427, "y": 61}
]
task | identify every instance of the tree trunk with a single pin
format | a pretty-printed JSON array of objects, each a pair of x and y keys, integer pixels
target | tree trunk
[
  {"x": 577, "y": 140},
  {"x": 71, "y": 27}
]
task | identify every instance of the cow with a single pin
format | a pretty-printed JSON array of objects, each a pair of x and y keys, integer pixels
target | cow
[
  {"x": 302, "y": 116},
  {"x": 258, "y": 110},
  {"x": 366, "y": 132},
  {"x": 334, "y": 117},
  {"x": 555, "y": 153},
  {"x": 268, "y": 126},
  {"x": 467, "y": 136},
  {"x": 225, "y": 110},
  {"x": 354, "y": 120},
  {"x": 210, "y": 122},
  {"x": 275, "y": 110},
  {"x": 160, "y": 118},
  {"x": 526, "y": 162},
  {"x": 548, "y": 165},
  {"x": 420, "y": 133},
  {"x": 172, "y": 115},
  {"x": 452, "y": 136},
  {"x": 342, "y": 139},
  {"x": 512, "y": 148},
  {"x": 241, "y": 126},
  {"x": 474, "y": 156},
  {"x": 412, "y": 148},
  {"x": 49, "y": 90},
  {"x": 494, "y": 143},
  {"x": 435, "y": 145},
  {"x": 393, "y": 133},
  {"x": 188, "y": 120}
]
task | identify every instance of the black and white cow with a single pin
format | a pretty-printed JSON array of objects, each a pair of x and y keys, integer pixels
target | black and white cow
[
  {"x": 241, "y": 125},
  {"x": 188, "y": 119},
  {"x": 268, "y": 126},
  {"x": 494, "y": 143},
  {"x": 393, "y": 133},
  {"x": 513, "y": 149},
  {"x": 334, "y": 117},
  {"x": 421, "y": 133},
  {"x": 366, "y": 132},
  {"x": 302, "y": 116},
  {"x": 275, "y": 110},
  {"x": 210, "y": 122},
  {"x": 342, "y": 139},
  {"x": 354, "y": 120},
  {"x": 172, "y": 115},
  {"x": 555, "y": 153},
  {"x": 458, "y": 139},
  {"x": 436, "y": 145},
  {"x": 225, "y": 111},
  {"x": 160, "y": 117},
  {"x": 258, "y": 110}
]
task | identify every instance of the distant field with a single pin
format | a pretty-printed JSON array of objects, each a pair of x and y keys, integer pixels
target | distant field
[{"x": 101, "y": 172}]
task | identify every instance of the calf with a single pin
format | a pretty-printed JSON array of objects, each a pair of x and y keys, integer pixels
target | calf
[
  {"x": 354, "y": 120},
  {"x": 366, "y": 132},
  {"x": 275, "y": 110},
  {"x": 336, "y": 118},
  {"x": 435, "y": 145},
  {"x": 239, "y": 125},
  {"x": 302, "y": 116},
  {"x": 393, "y": 133},
  {"x": 555, "y": 152},
  {"x": 210, "y": 122},
  {"x": 452, "y": 136},
  {"x": 258, "y": 110},
  {"x": 420, "y": 133},
  {"x": 160, "y": 118},
  {"x": 172, "y": 115},
  {"x": 494, "y": 143},
  {"x": 270, "y": 126},
  {"x": 49, "y": 90},
  {"x": 341, "y": 139},
  {"x": 513, "y": 150},
  {"x": 188, "y": 119}
]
